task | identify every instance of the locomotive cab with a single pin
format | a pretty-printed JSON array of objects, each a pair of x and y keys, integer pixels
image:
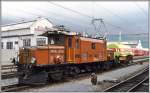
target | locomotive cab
[{"x": 52, "y": 53}]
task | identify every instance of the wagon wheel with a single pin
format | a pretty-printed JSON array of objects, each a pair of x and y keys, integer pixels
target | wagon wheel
[{"x": 129, "y": 59}]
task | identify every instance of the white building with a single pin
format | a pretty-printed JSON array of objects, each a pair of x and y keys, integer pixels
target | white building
[{"x": 22, "y": 34}]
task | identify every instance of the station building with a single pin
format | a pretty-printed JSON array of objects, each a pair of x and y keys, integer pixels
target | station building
[
  {"x": 24, "y": 34},
  {"x": 15, "y": 36}
]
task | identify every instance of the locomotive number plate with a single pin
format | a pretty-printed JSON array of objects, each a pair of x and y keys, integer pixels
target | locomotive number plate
[{"x": 56, "y": 51}]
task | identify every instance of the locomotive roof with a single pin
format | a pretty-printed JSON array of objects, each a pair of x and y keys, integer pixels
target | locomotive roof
[
  {"x": 68, "y": 33},
  {"x": 52, "y": 32}
]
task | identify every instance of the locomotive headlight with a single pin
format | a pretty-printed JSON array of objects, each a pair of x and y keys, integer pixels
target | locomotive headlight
[{"x": 33, "y": 60}]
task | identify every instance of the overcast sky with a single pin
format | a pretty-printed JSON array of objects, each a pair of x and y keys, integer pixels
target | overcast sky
[{"x": 125, "y": 16}]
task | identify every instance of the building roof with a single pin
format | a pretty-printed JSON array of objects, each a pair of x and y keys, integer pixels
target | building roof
[
  {"x": 17, "y": 26},
  {"x": 20, "y": 25}
]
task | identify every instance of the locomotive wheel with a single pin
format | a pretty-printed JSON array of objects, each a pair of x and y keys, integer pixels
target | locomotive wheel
[
  {"x": 57, "y": 76},
  {"x": 87, "y": 68},
  {"x": 74, "y": 71},
  {"x": 77, "y": 70},
  {"x": 106, "y": 66}
]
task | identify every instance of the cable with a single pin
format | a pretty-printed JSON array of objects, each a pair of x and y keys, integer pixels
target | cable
[
  {"x": 74, "y": 11},
  {"x": 70, "y": 9},
  {"x": 142, "y": 10},
  {"x": 114, "y": 14},
  {"x": 61, "y": 18}
]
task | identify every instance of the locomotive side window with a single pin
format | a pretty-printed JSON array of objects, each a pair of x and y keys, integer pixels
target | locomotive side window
[
  {"x": 77, "y": 43},
  {"x": 69, "y": 42},
  {"x": 93, "y": 46}
]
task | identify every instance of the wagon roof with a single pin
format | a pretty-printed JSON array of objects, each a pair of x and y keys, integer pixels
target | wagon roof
[{"x": 117, "y": 45}]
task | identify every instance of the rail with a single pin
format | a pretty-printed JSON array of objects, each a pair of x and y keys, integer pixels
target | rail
[
  {"x": 139, "y": 85},
  {"x": 8, "y": 71},
  {"x": 14, "y": 87},
  {"x": 128, "y": 84}
]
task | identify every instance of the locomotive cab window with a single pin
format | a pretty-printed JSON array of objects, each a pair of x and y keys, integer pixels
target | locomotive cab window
[
  {"x": 93, "y": 46},
  {"x": 56, "y": 40}
]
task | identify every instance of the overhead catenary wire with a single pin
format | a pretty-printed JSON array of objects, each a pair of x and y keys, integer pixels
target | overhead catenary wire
[
  {"x": 115, "y": 14},
  {"x": 141, "y": 9},
  {"x": 41, "y": 15},
  {"x": 53, "y": 13},
  {"x": 37, "y": 15},
  {"x": 77, "y": 12}
]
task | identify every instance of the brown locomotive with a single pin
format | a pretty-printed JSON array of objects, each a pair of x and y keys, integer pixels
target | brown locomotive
[{"x": 66, "y": 54}]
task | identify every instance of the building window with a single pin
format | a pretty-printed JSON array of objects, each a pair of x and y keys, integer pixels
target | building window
[
  {"x": 26, "y": 42},
  {"x": 9, "y": 45},
  {"x": 16, "y": 42},
  {"x": 77, "y": 43},
  {"x": 2, "y": 45},
  {"x": 69, "y": 42},
  {"x": 41, "y": 41},
  {"x": 93, "y": 46}
]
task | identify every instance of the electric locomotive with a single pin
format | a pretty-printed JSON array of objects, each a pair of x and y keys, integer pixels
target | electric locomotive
[{"x": 66, "y": 54}]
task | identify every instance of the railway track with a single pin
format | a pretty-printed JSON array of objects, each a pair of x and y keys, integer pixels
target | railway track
[
  {"x": 142, "y": 86},
  {"x": 131, "y": 83},
  {"x": 15, "y": 87},
  {"x": 9, "y": 71}
]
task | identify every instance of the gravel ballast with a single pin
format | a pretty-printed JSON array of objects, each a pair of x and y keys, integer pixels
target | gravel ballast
[{"x": 84, "y": 85}]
